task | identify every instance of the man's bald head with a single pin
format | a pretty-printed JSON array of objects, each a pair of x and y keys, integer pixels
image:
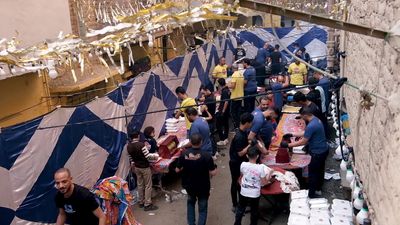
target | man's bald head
[{"x": 281, "y": 79}]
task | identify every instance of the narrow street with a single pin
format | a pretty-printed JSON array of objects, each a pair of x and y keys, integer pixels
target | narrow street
[{"x": 219, "y": 205}]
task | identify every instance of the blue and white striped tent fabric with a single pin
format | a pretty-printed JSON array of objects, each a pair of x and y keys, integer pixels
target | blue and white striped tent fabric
[
  {"x": 31, "y": 152},
  {"x": 309, "y": 36}
]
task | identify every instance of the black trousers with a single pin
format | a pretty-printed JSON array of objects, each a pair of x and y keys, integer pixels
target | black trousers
[
  {"x": 223, "y": 125},
  {"x": 249, "y": 102},
  {"x": 236, "y": 112},
  {"x": 316, "y": 171},
  {"x": 243, "y": 202},
  {"x": 235, "y": 187}
]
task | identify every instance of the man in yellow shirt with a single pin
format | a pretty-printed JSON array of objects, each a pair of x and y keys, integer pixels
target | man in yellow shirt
[
  {"x": 237, "y": 91},
  {"x": 185, "y": 104},
  {"x": 220, "y": 70},
  {"x": 298, "y": 73}
]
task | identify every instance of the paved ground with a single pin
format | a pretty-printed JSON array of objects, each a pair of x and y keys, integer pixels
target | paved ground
[
  {"x": 219, "y": 206},
  {"x": 219, "y": 209}
]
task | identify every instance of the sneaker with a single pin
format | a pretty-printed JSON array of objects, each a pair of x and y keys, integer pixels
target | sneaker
[
  {"x": 141, "y": 205},
  {"x": 150, "y": 207},
  {"x": 221, "y": 143}
]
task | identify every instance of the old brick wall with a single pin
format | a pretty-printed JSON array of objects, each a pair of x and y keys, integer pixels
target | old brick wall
[{"x": 375, "y": 65}]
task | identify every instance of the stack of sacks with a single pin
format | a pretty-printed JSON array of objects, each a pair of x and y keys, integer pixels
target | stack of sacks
[
  {"x": 171, "y": 125},
  {"x": 342, "y": 212},
  {"x": 299, "y": 208},
  {"x": 319, "y": 211}
]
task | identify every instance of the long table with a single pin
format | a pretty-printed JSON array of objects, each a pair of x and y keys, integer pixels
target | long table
[{"x": 287, "y": 124}]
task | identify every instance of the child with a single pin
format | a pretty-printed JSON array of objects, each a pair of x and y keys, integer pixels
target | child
[
  {"x": 254, "y": 176},
  {"x": 151, "y": 143}
]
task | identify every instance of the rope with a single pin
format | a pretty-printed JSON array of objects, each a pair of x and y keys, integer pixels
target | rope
[{"x": 176, "y": 108}]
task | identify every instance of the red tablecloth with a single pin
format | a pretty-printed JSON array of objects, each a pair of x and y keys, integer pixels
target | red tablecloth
[
  {"x": 162, "y": 165},
  {"x": 296, "y": 162},
  {"x": 275, "y": 187},
  {"x": 287, "y": 124}
]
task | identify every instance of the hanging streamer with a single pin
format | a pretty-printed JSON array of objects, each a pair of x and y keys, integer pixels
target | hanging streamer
[
  {"x": 121, "y": 61},
  {"x": 82, "y": 62},
  {"x": 108, "y": 68},
  {"x": 72, "y": 70},
  {"x": 130, "y": 57}
]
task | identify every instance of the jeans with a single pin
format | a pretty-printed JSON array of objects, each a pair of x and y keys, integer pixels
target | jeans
[
  {"x": 236, "y": 111},
  {"x": 145, "y": 185},
  {"x": 316, "y": 172},
  {"x": 191, "y": 206},
  {"x": 249, "y": 102},
  {"x": 212, "y": 139},
  {"x": 243, "y": 202},
  {"x": 235, "y": 187},
  {"x": 223, "y": 125}
]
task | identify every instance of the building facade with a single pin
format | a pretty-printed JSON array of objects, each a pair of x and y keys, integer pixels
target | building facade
[{"x": 374, "y": 64}]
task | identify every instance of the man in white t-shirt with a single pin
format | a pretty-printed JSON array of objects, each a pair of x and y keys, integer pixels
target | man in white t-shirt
[{"x": 254, "y": 176}]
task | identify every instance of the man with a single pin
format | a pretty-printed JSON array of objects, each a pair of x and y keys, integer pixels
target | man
[
  {"x": 281, "y": 83},
  {"x": 304, "y": 55},
  {"x": 237, "y": 92},
  {"x": 250, "y": 86},
  {"x": 314, "y": 136},
  {"x": 199, "y": 126},
  {"x": 325, "y": 83},
  {"x": 197, "y": 167},
  {"x": 223, "y": 113},
  {"x": 75, "y": 203},
  {"x": 262, "y": 128},
  {"x": 298, "y": 73},
  {"x": 186, "y": 102},
  {"x": 220, "y": 70},
  {"x": 302, "y": 100},
  {"x": 275, "y": 59},
  {"x": 237, "y": 153},
  {"x": 260, "y": 60},
  {"x": 209, "y": 101},
  {"x": 141, "y": 156},
  {"x": 315, "y": 95}
]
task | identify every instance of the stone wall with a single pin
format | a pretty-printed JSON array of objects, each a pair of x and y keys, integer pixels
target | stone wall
[{"x": 375, "y": 65}]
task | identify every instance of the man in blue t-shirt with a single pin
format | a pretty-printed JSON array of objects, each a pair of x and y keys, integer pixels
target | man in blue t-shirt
[
  {"x": 325, "y": 83},
  {"x": 250, "y": 86},
  {"x": 262, "y": 127},
  {"x": 281, "y": 83},
  {"x": 259, "y": 62},
  {"x": 314, "y": 136},
  {"x": 199, "y": 126}
]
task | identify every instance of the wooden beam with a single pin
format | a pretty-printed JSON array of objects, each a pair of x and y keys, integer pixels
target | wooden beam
[{"x": 311, "y": 18}]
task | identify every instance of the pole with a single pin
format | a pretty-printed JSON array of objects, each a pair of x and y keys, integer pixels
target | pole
[{"x": 316, "y": 19}]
